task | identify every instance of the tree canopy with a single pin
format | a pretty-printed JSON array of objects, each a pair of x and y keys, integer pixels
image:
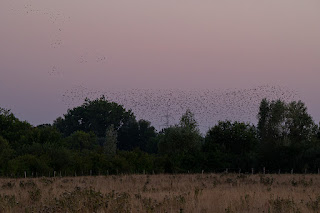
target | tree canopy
[
  {"x": 102, "y": 137},
  {"x": 94, "y": 115}
]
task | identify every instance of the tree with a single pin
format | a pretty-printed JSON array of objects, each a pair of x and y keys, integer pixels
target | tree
[
  {"x": 110, "y": 146},
  {"x": 128, "y": 136},
  {"x": 182, "y": 138},
  {"x": 284, "y": 122},
  {"x": 188, "y": 121},
  {"x": 271, "y": 118},
  {"x": 46, "y": 133},
  {"x": 96, "y": 116},
  {"x": 299, "y": 124},
  {"x": 285, "y": 130},
  {"x": 28, "y": 163},
  {"x": 231, "y": 144},
  {"x": 6, "y": 153},
  {"x": 17, "y": 133},
  {"x": 80, "y": 140},
  {"x": 318, "y": 131},
  {"x": 137, "y": 135},
  {"x": 180, "y": 143},
  {"x": 147, "y": 137}
]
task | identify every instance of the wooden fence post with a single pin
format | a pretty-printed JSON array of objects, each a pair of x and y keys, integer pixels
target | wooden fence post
[
  {"x": 25, "y": 174},
  {"x": 264, "y": 170}
]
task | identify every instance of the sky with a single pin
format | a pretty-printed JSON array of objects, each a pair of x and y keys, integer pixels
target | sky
[{"x": 48, "y": 48}]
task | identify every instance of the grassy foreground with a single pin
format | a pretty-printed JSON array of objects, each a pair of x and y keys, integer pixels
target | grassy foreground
[{"x": 163, "y": 193}]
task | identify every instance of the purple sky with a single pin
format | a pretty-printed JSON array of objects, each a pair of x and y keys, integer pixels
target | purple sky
[{"x": 48, "y": 47}]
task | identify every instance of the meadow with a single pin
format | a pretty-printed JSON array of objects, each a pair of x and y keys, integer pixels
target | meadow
[{"x": 163, "y": 193}]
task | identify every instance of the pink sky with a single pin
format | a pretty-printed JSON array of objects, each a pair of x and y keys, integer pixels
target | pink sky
[{"x": 154, "y": 44}]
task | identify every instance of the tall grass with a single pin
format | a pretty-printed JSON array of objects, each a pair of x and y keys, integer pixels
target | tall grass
[{"x": 163, "y": 193}]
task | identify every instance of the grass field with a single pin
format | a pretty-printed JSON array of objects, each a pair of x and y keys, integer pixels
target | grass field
[{"x": 163, "y": 193}]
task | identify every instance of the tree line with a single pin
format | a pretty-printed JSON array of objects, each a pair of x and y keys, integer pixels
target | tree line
[{"x": 102, "y": 137}]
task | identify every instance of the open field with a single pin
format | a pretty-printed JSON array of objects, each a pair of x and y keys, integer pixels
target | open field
[{"x": 163, "y": 193}]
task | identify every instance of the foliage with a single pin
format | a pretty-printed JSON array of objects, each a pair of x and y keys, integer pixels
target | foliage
[
  {"x": 101, "y": 137},
  {"x": 286, "y": 130},
  {"x": 96, "y": 116},
  {"x": 238, "y": 140},
  {"x": 180, "y": 142},
  {"x": 110, "y": 146}
]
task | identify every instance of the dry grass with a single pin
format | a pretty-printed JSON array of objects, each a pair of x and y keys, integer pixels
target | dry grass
[{"x": 163, "y": 193}]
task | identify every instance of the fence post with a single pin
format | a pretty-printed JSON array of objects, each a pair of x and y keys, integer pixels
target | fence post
[
  {"x": 264, "y": 170},
  {"x": 279, "y": 172},
  {"x": 318, "y": 171},
  {"x": 226, "y": 170},
  {"x": 25, "y": 174},
  {"x": 54, "y": 173},
  {"x": 305, "y": 171},
  {"x": 90, "y": 172},
  {"x": 291, "y": 171},
  {"x": 252, "y": 170}
]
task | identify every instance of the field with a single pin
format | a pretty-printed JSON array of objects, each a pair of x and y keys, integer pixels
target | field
[{"x": 163, "y": 193}]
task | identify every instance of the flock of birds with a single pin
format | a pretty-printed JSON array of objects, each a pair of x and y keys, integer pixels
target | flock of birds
[
  {"x": 55, "y": 72},
  {"x": 54, "y": 17},
  {"x": 56, "y": 43},
  {"x": 165, "y": 107},
  {"x": 58, "y": 20},
  {"x": 92, "y": 57}
]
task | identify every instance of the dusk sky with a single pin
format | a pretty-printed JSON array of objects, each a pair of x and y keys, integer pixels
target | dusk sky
[{"x": 49, "y": 47}]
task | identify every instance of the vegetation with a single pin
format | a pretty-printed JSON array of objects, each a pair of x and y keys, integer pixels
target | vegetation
[
  {"x": 163, "y": 193},
  {"x": 101, "y": 137}
]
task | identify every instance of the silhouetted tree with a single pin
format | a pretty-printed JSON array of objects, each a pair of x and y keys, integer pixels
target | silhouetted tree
[
  {"x": 95, "y": 116},
  {"x": 285, "y": 130},
  {"x": 180, "y": 143},
  {"x": 231, "y": 145}
]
